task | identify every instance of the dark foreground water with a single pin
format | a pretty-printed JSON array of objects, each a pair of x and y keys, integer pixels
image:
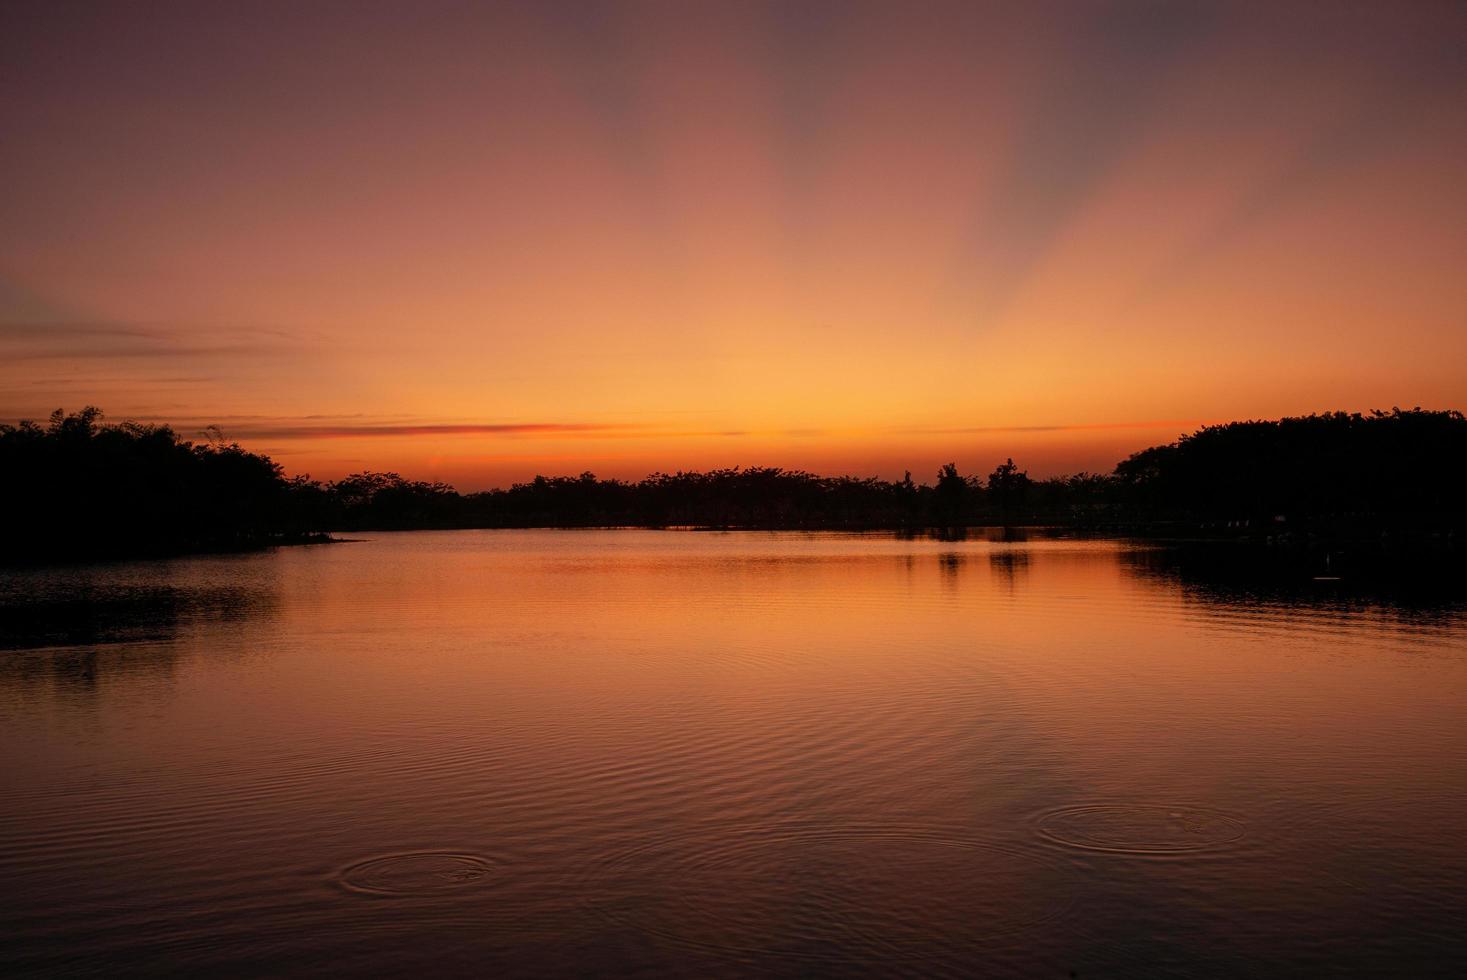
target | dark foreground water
[{"x": 643, "y": 753}]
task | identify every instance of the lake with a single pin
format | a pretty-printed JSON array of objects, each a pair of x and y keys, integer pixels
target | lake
[{"x": 641, "y": 753}]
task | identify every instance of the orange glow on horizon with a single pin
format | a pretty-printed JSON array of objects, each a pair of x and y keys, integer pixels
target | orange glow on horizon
[{"x": 846, "y": 237}]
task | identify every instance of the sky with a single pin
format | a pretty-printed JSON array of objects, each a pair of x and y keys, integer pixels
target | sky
[{"x": 475, "y": 242}]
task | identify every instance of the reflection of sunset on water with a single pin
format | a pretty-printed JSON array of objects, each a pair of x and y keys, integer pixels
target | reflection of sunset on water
[{"x": 728, "y": 753}]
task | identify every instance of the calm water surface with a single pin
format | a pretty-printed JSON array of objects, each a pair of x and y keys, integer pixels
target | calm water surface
[{"x": 642, "y": 753}]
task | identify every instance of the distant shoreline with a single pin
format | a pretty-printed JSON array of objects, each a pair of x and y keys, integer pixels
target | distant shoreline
[{"x": 78, "y": 489}]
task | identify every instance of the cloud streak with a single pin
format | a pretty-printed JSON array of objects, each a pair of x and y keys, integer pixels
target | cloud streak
[
  {"x": 321, "y": 427},
  {"x": 371, "y": 430},
  {"x": 1070, "y": 427},
  {"x": 103, "y": 340}
]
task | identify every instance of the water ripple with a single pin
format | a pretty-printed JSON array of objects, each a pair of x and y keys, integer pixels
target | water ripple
[
  {"x": 865, "y": 895},
  {"x": 1140, "y": 828},
  {"x": 416, "y": 873}
]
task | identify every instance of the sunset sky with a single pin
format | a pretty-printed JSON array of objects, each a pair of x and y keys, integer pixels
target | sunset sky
[{"x": 478, "y": 241}]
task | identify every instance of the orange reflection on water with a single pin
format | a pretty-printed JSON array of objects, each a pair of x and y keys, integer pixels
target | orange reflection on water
[{"x": 698, "y": 752}]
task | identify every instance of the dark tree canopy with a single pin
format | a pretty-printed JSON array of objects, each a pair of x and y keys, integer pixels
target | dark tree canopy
[
  {"x": 77, "y": 487},
  {"x": 1008, "y": 487},
  {"x": 1408, "y": 466}
]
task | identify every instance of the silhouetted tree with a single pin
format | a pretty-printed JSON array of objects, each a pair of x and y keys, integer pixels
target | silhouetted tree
[
  {"x": 82, "y": 488},
  {"x": 77, "y": 487},
  {"x": 1407, "y": 466},
  {"x": 1008, "y": 489},
  {"x": 951, "y": 496}
]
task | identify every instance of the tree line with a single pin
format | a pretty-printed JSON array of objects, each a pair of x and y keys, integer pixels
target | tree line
[{"x": 79, "y": 487}]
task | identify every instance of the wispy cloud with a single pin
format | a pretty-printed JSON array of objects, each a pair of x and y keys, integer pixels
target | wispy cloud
[
  {"x": 104, "y": 341},
  {"x": 389, "y": 430},
  {"x": 355, "y": 427},
  {"x": 1064, "y": 427}
]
